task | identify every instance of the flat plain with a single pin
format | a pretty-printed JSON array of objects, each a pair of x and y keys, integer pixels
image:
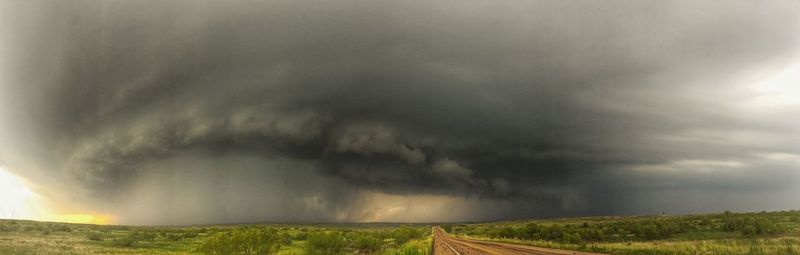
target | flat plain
[{"x": 724, "y": 233}]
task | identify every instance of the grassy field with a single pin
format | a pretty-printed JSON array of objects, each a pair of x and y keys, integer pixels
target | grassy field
[
  {"x": 726, "y": 233},
  {"x": 29, "y": 237}
]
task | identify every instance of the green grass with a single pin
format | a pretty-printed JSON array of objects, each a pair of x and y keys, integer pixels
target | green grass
[
  {"x": 727, "y": 233},
  {"x": 413, "y": 247},
  {"x": 29, "y": 237}
]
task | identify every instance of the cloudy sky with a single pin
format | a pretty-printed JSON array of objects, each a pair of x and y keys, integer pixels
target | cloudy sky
[{"x": 195, "y": 112}]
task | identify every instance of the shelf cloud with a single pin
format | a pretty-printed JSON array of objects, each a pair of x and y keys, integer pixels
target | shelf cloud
[{"x": 401, "y": 111}]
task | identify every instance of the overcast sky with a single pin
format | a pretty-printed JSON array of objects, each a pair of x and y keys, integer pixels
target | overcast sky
[{"x": 192, "y": 112}]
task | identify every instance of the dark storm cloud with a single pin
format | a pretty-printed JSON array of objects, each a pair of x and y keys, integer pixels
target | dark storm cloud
[{"x": 557, "y": 108}]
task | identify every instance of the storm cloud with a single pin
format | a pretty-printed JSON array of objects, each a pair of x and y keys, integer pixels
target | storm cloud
[{"x": 444, "y": 111}]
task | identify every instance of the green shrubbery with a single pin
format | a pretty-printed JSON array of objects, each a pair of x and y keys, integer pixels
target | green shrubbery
[
  {"x": 750, "y": 226},
  {"x": 366, "y": 243},
  {"x": 414, "y": 247},
  {"x": 60, "y": 228},
  {"x": 404, "y": 234},
  {"x": 635, "y": 228},
  {"x": 241, "y": 241},
  {"x": 94, "y": 236},
  {"x": 125, "y": 241},
  {"x": 301, "y": 235},
  {"x": 261, "y": 240},
  {"x": 325, "y": 243},
  {"x": 730, "y": 233},
  {"x": 174, "y": 237},
  {"x": 190, "y": 234}
]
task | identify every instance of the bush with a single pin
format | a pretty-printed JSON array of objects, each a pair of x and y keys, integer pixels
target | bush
[
  {"x": 285, "y": 238},
  {"x": 94, "y": 236},
  {"x": 148, "y": 236},
  {"x": 367, "y": 243},
  {"x": 301, "y": 236},
  {"x": 415, "y": 247},
  {"x": 189, "y": 235},
  {"x": 324, "y": 243},
  {"x": 240, "y": 241},
  {"x": 752, "y": 226},
  {"x": 448, "y": 228},
  {"x": 61, "y": 228},
  {"x": 174, "y": 237},
  {"x": 573, "y": 238},
  {"x": 646, "y": 229},
  {"x": 127, "y": 241},
  {"x": 404, "y": 234}
]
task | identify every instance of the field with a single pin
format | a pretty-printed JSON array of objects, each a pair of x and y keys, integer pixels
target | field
[
  {"x": 726, "y": 233},
  {"x": 29, "y": 237}
]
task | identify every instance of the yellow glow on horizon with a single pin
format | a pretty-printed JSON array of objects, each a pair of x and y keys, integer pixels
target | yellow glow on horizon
[
  {"x": 17, "y": 201},
  {"x": 82, "y": 218}
]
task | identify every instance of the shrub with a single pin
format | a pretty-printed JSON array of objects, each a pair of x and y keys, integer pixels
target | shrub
[
  {"x": 285, "y": 238},
  {"x": 301, "y": 235},
  {"x": 324, "y": 243},
  {"x": 751, "y": 226},
  {"x": 61, "y": 228},
  {"x": 367, "y": 243},
  {"x": 415, "y": 247},
  {"x": 189, "y": 235},
  {"x": 127, "y": 241},
  {"x": 94, "y": 236},
  {"x": 240, "y": 241},
  {"x": 404, "y": 234},
  {"x": 448, "y": 228},
  {"x": 174, "y": 237},
  {"x": 573, "y": 238},
  {"x": 148, "y": 236}
]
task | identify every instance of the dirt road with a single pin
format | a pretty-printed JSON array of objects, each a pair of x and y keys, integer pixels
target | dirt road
[{"x": 444, "y": 244}]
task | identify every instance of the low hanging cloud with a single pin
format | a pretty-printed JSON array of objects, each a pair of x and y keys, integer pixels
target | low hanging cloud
[
  {"x": 375, "y": 141},
  {"x": 539, "y": 109}
]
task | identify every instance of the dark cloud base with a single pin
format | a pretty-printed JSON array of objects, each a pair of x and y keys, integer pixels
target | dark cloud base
[{"x": 550, "y": 109}]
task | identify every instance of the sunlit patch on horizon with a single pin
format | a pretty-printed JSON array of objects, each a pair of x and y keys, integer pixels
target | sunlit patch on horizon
[
  {"x": 99, "y": 219},
  {"x": 18, "y": 201},
  {"x": 15, "y": 198}
]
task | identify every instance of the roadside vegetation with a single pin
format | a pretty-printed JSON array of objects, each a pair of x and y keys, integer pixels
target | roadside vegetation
[{"x": 726, "y": 233}]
